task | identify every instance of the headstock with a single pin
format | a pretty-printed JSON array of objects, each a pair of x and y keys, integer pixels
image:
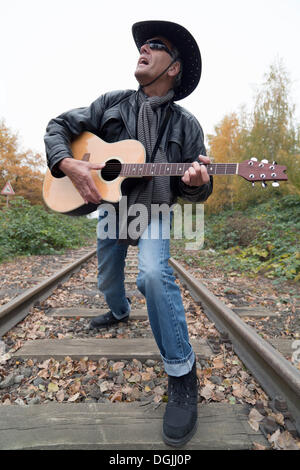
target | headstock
[{"x": 253, "y": 170}]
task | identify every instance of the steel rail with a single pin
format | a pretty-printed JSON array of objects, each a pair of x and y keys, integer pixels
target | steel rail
[
  {"x": 17, "y": 309},
  {"x": 276, "y": 375}
]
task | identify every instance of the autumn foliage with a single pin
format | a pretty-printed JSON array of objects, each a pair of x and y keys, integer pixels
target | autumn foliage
[
  {"x": 267, "y": 132},
  {"x": 24, "y": 170}
]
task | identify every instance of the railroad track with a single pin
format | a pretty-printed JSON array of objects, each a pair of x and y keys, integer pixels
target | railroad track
[{"x": 117, "y": 363}]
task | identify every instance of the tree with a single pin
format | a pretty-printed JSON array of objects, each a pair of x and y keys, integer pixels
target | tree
[
  {"x": 225, "y": 147},
  {"x": 272, "y": 132},
  {"x": 22, "y": 169}
]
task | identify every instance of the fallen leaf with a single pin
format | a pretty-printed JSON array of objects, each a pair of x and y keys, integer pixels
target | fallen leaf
[
  {"x": 240, "y": 391},
  {"x": 4, "y": 358},
  {"x": 75, "y": 386},
  {"x": 117, "y": 396},
  {"x": 157, "y": 398},
  {"x": 43, "y": 373},
  {"x": 127, "y": 390},
  {"x": 74, "y": 397},
  {"x": 218, "y": 395},
  {"x": 158, "y": 390},
  {"x": 279, "y": 418},
  {"x": 206, "y": 391},
  {"x": 44, "y": 365},
  {"x": 83, "y": 365},
  {"x": 52, "y": 387},
  {"x": 118, "y": 365},
  {"x": 146, "y": 376},
  {"x": 218, "y": 363},
  {"x": 6, "y": 402},
  {"x": 206, "y": 372},
  {"x": 135, "y": 378},
  {"x": 226, "y": 383},
  {"x": 244, "y": 376},
  {"x": 257, "y": 446},
  {"x": 237, "y": 390},
  {"x": 60, "y": 396}
]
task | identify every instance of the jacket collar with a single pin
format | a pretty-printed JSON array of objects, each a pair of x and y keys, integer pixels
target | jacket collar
[{"x": 129, "y": 114}]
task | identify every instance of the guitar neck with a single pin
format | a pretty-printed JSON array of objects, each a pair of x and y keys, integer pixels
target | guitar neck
[{"x": 174, "y": 169}]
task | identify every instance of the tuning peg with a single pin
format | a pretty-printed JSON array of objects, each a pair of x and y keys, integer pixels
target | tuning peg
[
  {"x": 254, "y": 159},
  {"x": 253, "y": 184},
  {"x": 275, "y": 184},
  {"x": 274, "y": 163},
  {"x": 264, "y": 185},
  {"x": 264, "y": 161}
]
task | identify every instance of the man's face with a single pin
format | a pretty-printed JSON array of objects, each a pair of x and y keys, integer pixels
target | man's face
[{"x": 152, "y": 61}]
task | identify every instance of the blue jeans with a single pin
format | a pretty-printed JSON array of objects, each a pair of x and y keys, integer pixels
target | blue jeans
[{"x": 157, "y": 283}]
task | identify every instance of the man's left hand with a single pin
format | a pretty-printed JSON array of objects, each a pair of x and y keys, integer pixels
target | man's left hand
[{"x": 197, "y": 174}]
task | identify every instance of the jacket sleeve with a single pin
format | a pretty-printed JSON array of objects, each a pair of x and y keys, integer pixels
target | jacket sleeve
[
  {"x": 61, "y": 130},
  {"x": 193, "y": 146}
]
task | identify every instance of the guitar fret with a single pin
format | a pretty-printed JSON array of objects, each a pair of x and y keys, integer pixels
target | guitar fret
[{"x": 174, "y": 169}]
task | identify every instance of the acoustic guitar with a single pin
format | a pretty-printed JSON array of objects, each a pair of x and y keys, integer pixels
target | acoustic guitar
[{"x": 126, "y": 159}]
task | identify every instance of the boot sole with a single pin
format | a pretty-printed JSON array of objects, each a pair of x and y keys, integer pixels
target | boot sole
[
  {"x": 179, "y": 442},
  {"x": 105, "y": 325}
]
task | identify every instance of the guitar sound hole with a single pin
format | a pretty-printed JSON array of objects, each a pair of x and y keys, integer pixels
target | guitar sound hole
[{"x": 111, "y": 170}]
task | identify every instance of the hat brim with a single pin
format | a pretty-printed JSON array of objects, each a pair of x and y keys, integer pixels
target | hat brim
[{"x": 182, "y": 39}]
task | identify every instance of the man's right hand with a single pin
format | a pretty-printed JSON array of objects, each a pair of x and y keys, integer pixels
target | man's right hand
[{"x": 79, "y": 173}]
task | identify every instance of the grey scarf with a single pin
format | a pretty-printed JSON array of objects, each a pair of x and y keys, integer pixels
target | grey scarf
[{"x": 156, "y": 190}]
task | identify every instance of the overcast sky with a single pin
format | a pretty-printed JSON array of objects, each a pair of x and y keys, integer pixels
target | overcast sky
[{"x": 63, "y": 54}]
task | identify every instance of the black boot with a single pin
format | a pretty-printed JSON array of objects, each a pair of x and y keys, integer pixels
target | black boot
[
  {"x": 107, "y": 319},
  {"x": 180, "y": 418}
]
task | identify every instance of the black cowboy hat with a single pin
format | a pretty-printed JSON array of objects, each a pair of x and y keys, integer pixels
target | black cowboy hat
[{"x": 185, "y": 43}]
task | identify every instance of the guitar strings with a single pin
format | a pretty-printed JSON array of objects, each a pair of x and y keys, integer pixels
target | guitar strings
[{"x": 116, "y": 168}]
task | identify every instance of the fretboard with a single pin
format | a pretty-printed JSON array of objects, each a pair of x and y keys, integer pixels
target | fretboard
[{"x": 174, "y": 169}]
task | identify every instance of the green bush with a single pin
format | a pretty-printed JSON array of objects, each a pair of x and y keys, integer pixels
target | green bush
[
  {"x": 262, "y": 239},
  {"x": 32, "y": 230}
]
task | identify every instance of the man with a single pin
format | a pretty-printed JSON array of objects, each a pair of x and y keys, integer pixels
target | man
[{"x": 168, "y": 70}]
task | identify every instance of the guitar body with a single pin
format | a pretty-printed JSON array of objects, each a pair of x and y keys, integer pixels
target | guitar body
[{"x": 61, "y": 195}]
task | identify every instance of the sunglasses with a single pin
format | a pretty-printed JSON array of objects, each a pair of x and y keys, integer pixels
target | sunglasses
[{"x": 158, "y": 45}]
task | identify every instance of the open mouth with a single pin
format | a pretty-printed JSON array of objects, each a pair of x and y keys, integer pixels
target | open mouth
[{"x": 143, "y": 61}]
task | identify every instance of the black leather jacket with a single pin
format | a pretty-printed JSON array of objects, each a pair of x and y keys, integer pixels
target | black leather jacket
[{"x": 112, "y": 117}]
